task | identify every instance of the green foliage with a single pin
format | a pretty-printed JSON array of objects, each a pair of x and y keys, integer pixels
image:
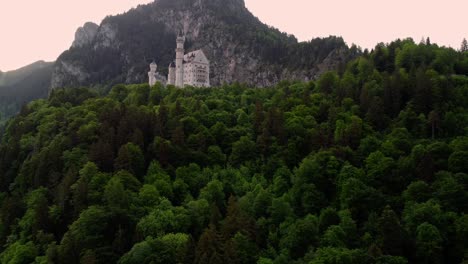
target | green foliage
[
  {"x": 163, "y": 219},
  {"x": 115, "y": 194},
  {"x": 359, "y": 167},
  {"x": 428, "y": 243},
  {"x": 331, "y": 255},
  {"x": 171, "y": 248},
  {"x": 18, "y": 253},
  {"x": 130, "y": 158}
]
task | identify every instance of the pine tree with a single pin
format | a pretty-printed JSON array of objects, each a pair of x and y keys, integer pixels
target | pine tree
[
  {"x": 428, "y": 41},
  {"x": 390, "y": 232},
  {"x": 236, "y": 221},
  {"x": 434, "y": 120},
  {"x": 103, "y": 155},
  {"x": 259, "y": 117},
  {"x": 178, "y": 136},
  {"x": 210, "y": 247},
  {"x": 162, "y": 120},
  {"x": 464, "y": 45}
]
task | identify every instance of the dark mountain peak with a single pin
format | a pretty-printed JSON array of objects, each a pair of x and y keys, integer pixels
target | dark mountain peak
[
  {"x": 184, "y": 4},
  {"x": 230, "y": 5},
  {"x": 85, "y": 35}
]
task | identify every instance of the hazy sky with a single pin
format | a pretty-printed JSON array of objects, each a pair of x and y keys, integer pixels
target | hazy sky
[{"x": 33, "y": 30}]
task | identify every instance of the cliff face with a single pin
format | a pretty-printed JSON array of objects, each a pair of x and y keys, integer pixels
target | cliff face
[
  {"x": 239, "y": 46},
  {"x": 85, "y": 34}
]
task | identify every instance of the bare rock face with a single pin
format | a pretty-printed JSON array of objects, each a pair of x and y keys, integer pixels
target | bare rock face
[
  {"x": 68, "y": 74},
  {"x": 105, "y": 36},
  {"x": 85, "y": 34}
]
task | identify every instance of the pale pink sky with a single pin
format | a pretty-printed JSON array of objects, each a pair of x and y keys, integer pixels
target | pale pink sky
[{"x": 33, "y": 30}]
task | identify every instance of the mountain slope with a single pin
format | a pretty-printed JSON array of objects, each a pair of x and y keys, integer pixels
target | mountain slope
[
  {"x": 15, "y": 76},
  {"x": 22, "y": 86},
  {"x": 239, "y": 46}
]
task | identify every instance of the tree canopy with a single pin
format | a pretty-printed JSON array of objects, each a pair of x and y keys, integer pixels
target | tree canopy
[{"x": 363, "y": 166}]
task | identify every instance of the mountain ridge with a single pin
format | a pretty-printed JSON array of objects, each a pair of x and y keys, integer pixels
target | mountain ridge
[
  {"x": 20, "y": 86},
  {"x": 13, "y": 76}
]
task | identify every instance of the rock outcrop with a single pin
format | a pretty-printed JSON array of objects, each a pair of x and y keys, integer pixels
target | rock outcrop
[{"x": 85, "y": 34}]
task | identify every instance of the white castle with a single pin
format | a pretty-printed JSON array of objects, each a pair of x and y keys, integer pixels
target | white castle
[{"x": 191, "y": 69}]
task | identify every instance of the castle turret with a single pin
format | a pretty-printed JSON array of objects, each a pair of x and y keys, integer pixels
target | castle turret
[
  {"x": 179, "y": 79},
  {"x": 171, "y": 78},
  {"x": 152, "y": 73}
]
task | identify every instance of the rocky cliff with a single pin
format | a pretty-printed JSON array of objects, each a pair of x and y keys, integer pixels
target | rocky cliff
[
  {"x": 239, "y": 46},
  {"x": 85, "y": 34}
]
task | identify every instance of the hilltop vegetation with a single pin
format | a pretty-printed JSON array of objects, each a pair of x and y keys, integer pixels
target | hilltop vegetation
[{"x": 367, "y": 166}]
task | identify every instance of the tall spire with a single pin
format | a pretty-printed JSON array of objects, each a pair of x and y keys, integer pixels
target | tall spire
[
  {"x": 180, "y": 61},
  {"x": 152, "y": 74}
]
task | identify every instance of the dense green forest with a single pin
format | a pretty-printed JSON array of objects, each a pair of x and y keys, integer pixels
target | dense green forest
[{"x": 368, "y": 165}]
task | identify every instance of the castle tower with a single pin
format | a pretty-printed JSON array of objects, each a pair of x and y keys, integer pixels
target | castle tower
[
  {"x": 179, "y": 82},
  {"x": 171, "y": 78},
  {"x": 152, "y": 73}
]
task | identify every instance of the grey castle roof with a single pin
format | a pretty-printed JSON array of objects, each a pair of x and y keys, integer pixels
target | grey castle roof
[{"x": 197, "y": 56}]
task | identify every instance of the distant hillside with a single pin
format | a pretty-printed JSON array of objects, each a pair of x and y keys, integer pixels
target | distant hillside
[
  {"x": 12, "y": 77},
  {"x": 240, "y": 47},
  {"x": 22, "y": 86}
]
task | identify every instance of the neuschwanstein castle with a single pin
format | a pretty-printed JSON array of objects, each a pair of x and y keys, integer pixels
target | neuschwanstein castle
[{"x": 192, "y": 68}]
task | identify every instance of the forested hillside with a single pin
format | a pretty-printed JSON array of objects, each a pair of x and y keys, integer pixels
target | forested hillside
[
  {"x": 367, "y": 166},
  {"x": 21, "y": 86}
]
